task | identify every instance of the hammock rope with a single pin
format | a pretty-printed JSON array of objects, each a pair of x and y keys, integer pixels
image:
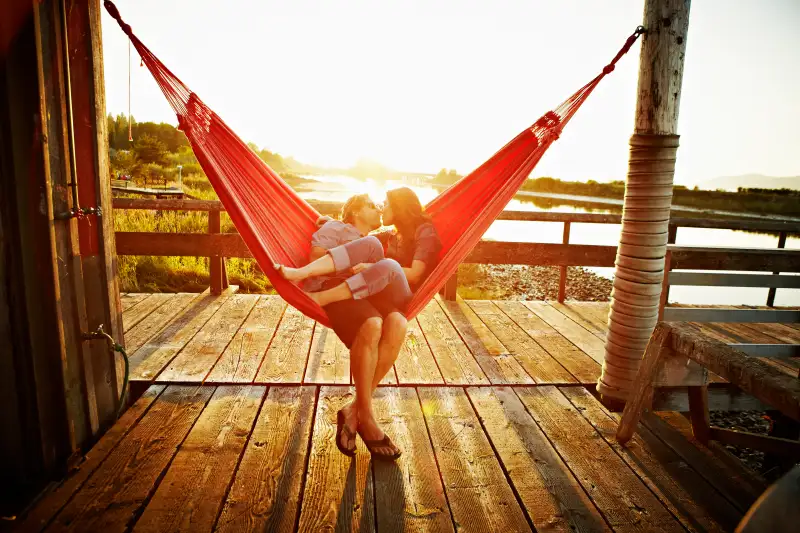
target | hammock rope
[{"x": 276, "y": 224}]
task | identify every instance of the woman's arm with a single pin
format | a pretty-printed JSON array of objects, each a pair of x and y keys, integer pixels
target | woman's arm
[{"x": 415, "y": 272}]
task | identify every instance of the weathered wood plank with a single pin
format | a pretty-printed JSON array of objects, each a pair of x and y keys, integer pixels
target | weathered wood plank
[
  {"x": 150, "y": 359},
  {"x": 780, "y": 332},
  {"x": 129, "y": 299},
  {"x": 339, "y": 492},
  {"x": 156, "y": 321},
  {"x": 494, "y": 358},
  {"x": 49, "y": 505},
  {"x": 197, "y": 358},
  {"x": 550, "y": 493},
  {"x": 241, "y": 359},
  {"x": 582, "y": 316},
  {"x": 581, "y": 366},
  {"x": 691, "y": 498},
  {"x": 328, "y": 359},
  {"x": 193, "y": 489},
  {"x": 140, "y": 311},
  {"x": 265, "y": 495},
  {"x": 714, "y": 314},
  {"x": 285, "y": 361},
  {"x": 116, "y": 492},
  {"x": 479, "y": 494},
  {"x": 676, "y": 432},
  {"x": 580, "y": 337},
  {"x": 624, "y": 500},
  {"x": 454, "y": 359},
  {"x": 409, "y": 494},
  {"x": 415, "y": 364},
  {"x": 539, "y": 364}
]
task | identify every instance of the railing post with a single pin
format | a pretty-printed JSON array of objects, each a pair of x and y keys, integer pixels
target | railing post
[
  {"x": 562, "y": 279},
  {"x": 672, "y": 235},
  {"x": 450, "y": 289},
  {"x": 215, "y": 264},
  {"x": 772, "y": 290}
]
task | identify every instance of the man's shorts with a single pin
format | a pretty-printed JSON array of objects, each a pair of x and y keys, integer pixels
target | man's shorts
[{"x": 348, "y": 316}]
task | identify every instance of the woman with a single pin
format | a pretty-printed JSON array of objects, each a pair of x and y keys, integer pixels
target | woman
[{"x": 411, "y": 253}]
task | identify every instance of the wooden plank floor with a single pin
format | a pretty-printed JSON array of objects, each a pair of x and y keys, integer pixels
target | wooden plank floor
[
  {"x": 491, "y": 403},
  {"x": 242, "y": 338}
]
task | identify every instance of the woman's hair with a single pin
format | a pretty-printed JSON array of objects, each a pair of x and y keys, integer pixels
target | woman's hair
[
  {"x": 353, "y": 205},
  {"x": 407, "y": 212}
]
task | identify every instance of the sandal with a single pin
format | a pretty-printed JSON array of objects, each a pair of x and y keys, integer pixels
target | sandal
[
  {"x": 385, "y": 442},
  {"x": 342, "y": 427}
]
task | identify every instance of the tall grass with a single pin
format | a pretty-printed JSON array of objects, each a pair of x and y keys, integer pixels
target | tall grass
[{"x": 181, "y": 274}]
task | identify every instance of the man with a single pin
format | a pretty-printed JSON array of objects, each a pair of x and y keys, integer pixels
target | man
[{"x": 371, "y": 328}]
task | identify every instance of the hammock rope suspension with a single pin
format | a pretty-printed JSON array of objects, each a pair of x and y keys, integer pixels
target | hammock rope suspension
[{"x": 276, "y": 224}]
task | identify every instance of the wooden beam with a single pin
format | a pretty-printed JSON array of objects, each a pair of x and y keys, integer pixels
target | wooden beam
[
  {"x": 713, "y": 314},
  {"x": 562, "y": 275},
  {"x": 747, "y": 259},
  {"x": 753, "y": 376},
  {"x": 775, "y": 351},
  {"x": 734, "y": 280},
  {"x": 744, "y": 439}
]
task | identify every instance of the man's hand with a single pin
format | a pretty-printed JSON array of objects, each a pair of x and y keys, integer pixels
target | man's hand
[{"x": 361, "y": 267}]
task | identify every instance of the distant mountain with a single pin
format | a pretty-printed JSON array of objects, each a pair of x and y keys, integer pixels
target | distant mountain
[{"x": 732, "y": 183}]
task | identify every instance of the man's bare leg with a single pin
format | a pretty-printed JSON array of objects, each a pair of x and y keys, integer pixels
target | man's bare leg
[
  {"x": 363, "y": 359},
  {"x": 393, "y": 335},
  {"x": 321, "y": 266}
]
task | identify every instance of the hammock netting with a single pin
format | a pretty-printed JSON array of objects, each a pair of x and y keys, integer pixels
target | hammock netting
[{"x": 276, "y": 224}]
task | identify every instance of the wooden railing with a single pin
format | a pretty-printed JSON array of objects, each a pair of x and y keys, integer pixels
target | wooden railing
[{"x": 217, "y": 246}]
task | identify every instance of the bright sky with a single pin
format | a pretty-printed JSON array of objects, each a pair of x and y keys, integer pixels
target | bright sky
[{"x": 420, "y": 85}]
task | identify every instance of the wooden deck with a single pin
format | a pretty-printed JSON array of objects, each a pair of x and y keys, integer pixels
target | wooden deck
[{"x": 491, "y": 402}]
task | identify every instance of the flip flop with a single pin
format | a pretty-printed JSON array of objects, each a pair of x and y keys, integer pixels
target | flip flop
[
  {"x": 341, "y": 426},
  {"x": 385, "y": 442}
]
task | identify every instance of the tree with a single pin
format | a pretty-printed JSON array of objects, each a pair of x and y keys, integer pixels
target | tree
[{"x": 150, "y": 149}]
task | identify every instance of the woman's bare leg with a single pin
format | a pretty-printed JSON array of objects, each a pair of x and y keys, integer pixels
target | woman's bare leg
[
  {"x": 395, "y": 327},
  {"x": 363, "y": 359},
  {"x": 364, "y": 250},
  {"x": 391, "y": 340}
]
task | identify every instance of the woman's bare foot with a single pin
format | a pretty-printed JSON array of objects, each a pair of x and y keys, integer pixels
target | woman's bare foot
[
  {"x": 289, "y": 273},
  {"x": 370, "y": 431}
]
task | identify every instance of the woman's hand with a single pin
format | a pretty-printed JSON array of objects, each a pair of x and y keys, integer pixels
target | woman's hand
[{"x": 360, "y": 267}]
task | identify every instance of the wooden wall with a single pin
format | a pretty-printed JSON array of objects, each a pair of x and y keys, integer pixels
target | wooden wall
[{"x": 58, "y": 392}]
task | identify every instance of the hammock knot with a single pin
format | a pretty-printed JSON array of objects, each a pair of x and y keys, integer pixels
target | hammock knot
[
  {"x": 114, "y": 12},
  {"x": 608, "y": 69}
]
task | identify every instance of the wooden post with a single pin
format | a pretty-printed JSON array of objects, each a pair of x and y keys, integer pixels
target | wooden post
[
  {"x": 450, "y": 289},
  {"x": 771, "y": 295},
  {"x": 648, "y": 190},
  {"x": 562, "y": 278},
  {"x": 215, "y": 261}
]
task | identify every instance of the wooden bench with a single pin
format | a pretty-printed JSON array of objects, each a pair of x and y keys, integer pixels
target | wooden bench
[{"x": 680, "y": 356}]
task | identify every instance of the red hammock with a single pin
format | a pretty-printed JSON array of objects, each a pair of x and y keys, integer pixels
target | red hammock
[{"x": 276, "y": 224}]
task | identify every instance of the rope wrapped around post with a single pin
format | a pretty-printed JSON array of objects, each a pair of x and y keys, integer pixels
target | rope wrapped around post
[{"x": 640, "y": 260}]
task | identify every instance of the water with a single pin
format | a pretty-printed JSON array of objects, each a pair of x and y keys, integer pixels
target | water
[{"x": 339, "y": 188}]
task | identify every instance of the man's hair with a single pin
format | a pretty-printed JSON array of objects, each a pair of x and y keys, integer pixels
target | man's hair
[{"x": 353, "y": 205}]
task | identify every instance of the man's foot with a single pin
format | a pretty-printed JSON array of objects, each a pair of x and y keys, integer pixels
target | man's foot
[
  {"x": 379, "y": 444},
  {"x": 346, "y": 425},
  {"x": 289, "y": 273}
]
